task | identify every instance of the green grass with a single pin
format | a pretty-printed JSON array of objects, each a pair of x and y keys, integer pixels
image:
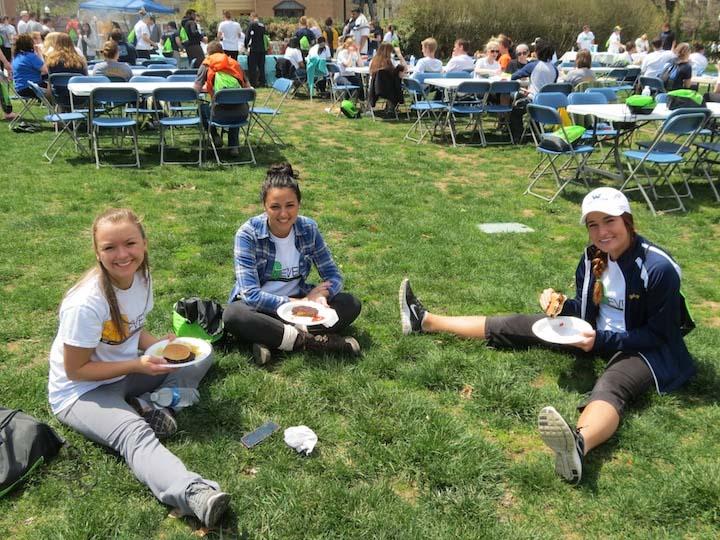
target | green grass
[{"x": 402, "y": 454}]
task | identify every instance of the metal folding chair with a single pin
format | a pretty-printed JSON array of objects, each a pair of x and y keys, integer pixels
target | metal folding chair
[
  {"x": 186, "y": 71},
  {"x": 562, "y": 88},
  {"x": 188, "y": 99},
  {"x": 424, "y": 108},
  {"x": 655, "y": 164},
  {"x": 233, "y": 96},
  {"x": 266, "y": 113},
  {"x": 338, "y": 92},
  {"x": 656, "y": 85},
  {"x": 26, "y": 113},
  {"x": 504, "y": 92},
  {"x": 64, "y": 122},
  {"x": 458, "y": 75},
  {"x": 164, "y": 73},
  {"x": 468, "y": 101},
  {"x": 541, "y": 117},
  {"x": 708, "y": 156},
  {"x": 122, "y": 99}
]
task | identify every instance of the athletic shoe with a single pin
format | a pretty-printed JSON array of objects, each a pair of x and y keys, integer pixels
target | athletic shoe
[
  {"x": 412, "y": 312},
  {"x": 567, "y": 443},
  {"x": 207, "y": 503},
  {"x": 160, "y": 419},
  {"x": 327, "y": 343},
  {"x": 261, "y": 354}
]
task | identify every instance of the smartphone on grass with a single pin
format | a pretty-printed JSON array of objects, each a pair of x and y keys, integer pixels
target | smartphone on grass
[{"x": 254, "y": 438}]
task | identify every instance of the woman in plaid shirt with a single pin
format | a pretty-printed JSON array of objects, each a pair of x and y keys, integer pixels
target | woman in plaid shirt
[{"x": 274, "y": 254}]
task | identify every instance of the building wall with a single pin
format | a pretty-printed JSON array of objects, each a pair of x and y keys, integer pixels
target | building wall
[{"x": 318, "y": 9}]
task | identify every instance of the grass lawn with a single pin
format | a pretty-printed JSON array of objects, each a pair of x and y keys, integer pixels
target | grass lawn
[{"x": 404, "y": 451}]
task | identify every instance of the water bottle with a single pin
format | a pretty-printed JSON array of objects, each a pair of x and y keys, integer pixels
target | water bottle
[
  {"x": 175, "y": 397},
  {"x": 646, "y": 91},
  {"x": 412, "y": 59}
]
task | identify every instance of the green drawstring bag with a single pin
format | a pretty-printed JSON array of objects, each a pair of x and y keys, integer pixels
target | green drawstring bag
[
  {"x": 563, "y": 139},
  {"x": 639, "y": 104},
  {"x": 198, "y": 318},
  {"x": 131, "y": 38},
  {"x": 167, "y": 46},
  {"x": 685, "y": 99},
  {"x": 184, "y": 35},
  {"x": 304, "y": 43},
  {"x": 349, "y": 109}
]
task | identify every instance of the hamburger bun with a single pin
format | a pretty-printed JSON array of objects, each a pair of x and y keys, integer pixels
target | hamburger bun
[
  {"x": 555, "y": 305},
  {"x": 304, "y": 311},
  {"x": 178, "y": 353}
]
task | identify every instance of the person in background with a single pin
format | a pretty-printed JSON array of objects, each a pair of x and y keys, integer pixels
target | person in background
[
  {"x": 27, "y": 66},
  {"x": 5, "y": 100},
  {"x": 126, "y": 51},
  {"x": 628, "y": 290},
  {"x": 698, "y": 59},
  {"x": 391, "y": 35},
  {"x": 680, "y": 72},
  {"x": 23, "y": 25},
  {"x": 195, "y": 38},
  {"x": 171, "y": 42},
  {"x": 489, "y": 60},
  {"x": 295, "y": 56},
  {"x": 34, "y": 25},
  {"x": 428, "y": 63},
  {"x": 667, "y": 37},
  {"x": 654, "y": 63},
  {"x": 582, "y": 72},
  {"x": 642, "y": 45},
  {"x": 504, "y": 46},
  {"x": 360, "y": 30},
  {"x": 320, "y": 49},
  {"x": 62, "y": 57},
  {"x": 230, "y": 35},
  {"x": 614, "y": 42},
  {"x": 155, "y": 30},
  {"x": 460, "y": 60},
  {"x": 545, "y": 71},
  {"x": 99, "y": 383},
  {"x": 331, "y": 36},
  {"x": 375, "y": 37},
  {"x": 585, "y": 39},
  {"x": 87, "y": 40},
  {"x": 347, "y": 57},
  {"x": 273, "y": 257},
  {"x": 111, "y": 67},
  {"x": 144, "y": 44},
  {"x": 629, "y": 55},
  {"x": 522, "y": 57},
  {"x": 255, "y": 45},
  {"x": 7, "y": 34},
  {"x": 314, "y": 27},
  {"x": 304, "y": 32},
  {"x": 386, "y": 78}
]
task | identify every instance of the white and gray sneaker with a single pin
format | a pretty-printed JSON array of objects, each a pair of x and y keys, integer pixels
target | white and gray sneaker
[
  {"x": 412, "y": 311},
  {"x": 567, "y": 443},
  {"x": 207, "y": 503}
]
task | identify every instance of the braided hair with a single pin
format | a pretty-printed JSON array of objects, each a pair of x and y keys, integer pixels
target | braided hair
[{"x": 599, "y": 259}]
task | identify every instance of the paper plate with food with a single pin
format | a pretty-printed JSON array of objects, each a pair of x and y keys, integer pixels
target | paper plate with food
[
  {"x": 182, "y": 351},
  {"x": 562, "y": 330},
  {"x": 307, "y": 313}
]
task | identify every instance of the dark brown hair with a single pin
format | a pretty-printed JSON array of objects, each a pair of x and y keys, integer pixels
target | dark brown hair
[
  {"x": 600, "y": 258},
  {"x": 24, "y": 44},
  {"x": 280, "y": 176},
  {"x": 583, "y": 59}
]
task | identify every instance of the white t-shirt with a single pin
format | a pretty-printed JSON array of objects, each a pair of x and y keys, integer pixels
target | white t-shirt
[
  {"x": 23, "y": 27},
  {"x": 389, "y": 36},
  {"x": 232, "y": 35},
  {"x": 85, "y": 322},
  {"x": 285, "y": 278},
  {"x": 614, "y": 43},
  {"x": 428, "y": 65},
  {"x": 585, "y": 40},
  {"x": 655, "y": 62},
  {"x": 699, "y": 62},
  {"x": 294, "y": 55},
  {"x": 486, "y": 63},
  {"x": 462, "y": 62},
  {"x": 642, "y": 45},
  {"x": 313, "y": 52},
  {"x": 612, "y": 306},
  {"x": 361, "y": 28},
  {"x": 141, "y": 29},
  {"x": 347, "y": 59}
]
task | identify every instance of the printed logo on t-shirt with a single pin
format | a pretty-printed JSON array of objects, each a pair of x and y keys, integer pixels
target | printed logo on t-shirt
[
  {"x": 284, "y": 274},
  {"x": 614, "y": 303},
  {"x": 112, "y": 335}
]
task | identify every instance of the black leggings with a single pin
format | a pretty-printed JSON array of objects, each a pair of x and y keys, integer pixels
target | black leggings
[
  {"x": 626, "y": 377},
  {"x": 251, "y": 326}
]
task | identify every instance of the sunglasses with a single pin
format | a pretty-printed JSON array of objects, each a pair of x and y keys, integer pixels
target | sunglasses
[
  {"x": 522, "y": 53},
  {"x": 494, "y": 51}
]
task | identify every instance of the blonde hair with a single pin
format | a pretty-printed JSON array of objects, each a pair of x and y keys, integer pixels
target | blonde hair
[
  {"x": 430, "y": 44},
  {"x": 62, "y": 51},
  {"x": 113, "y": 216},
  {"x": 682, "y": 50}
]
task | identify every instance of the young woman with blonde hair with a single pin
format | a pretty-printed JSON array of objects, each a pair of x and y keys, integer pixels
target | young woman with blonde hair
[{"x": 61, "y": 56}]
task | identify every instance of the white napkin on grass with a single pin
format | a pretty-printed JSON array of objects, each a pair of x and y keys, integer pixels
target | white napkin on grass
[{"x": 301, "y": 438}]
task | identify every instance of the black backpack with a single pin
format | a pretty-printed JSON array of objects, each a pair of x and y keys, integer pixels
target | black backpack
[{"x": 25, "y": 444}]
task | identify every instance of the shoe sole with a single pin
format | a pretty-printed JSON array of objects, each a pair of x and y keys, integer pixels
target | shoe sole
[
  {"x": 354, "y": 346},
  {"x": 261, "y": 354},
  {"x": 559, "y": 437},
  {"x": 161, "y": 422},
  {"x": 404, "y": 308},
  {"x": 216, "y": 507}
]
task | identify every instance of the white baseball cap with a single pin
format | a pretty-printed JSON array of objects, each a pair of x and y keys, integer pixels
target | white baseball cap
[{"x": 606, "y": 200}]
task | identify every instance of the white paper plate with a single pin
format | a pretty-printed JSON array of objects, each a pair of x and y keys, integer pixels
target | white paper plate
[
  {"x": 285, "y": 313},
  {"x": 200, "y": 347},
  {"x": 561, "y": 330}
]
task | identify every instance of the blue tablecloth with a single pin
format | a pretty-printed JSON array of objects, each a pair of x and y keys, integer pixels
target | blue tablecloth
[{"x": 269, "y": 66}]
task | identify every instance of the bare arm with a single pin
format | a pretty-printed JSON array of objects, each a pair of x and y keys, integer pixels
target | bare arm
[{"x": 79, "y": 367}]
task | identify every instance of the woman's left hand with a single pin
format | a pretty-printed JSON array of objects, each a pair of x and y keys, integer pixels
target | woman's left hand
[
  {"x": 588, "y": 341},
  {"x": 320, "y": 293}
]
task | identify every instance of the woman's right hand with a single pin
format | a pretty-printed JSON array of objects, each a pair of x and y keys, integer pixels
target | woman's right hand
[
  {"x": 545, "y": 297},
  {"x": 154, "y": 365}
]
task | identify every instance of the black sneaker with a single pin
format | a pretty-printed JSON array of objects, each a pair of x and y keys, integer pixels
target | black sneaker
[
  {"x": 261, "y": 354},
  {"x": 567, "y": 443},
  {"x": 207, "y": 503},
  {"x": 328, "y": 343},
  {"x": 412, "y": 311},
  {"x": 160, "y": 419}
]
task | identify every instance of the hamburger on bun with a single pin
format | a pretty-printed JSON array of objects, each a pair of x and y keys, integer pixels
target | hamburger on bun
[
  {"x": 178, "y": 353},
  {"x": 555, "y": 305},
  {"x": 304, "y": 311}
]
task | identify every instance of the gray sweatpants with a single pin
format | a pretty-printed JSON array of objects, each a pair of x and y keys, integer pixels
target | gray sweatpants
[{"x": 103, "y": 416}]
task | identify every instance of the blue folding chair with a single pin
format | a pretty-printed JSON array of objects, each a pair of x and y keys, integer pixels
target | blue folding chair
[
  {"x": 600, "y": 132},
  {"x": 59, "y": 90},
  {"x": 160, "y": 66},
  {"x": 181, "y": 77},
  {"x": 651, "y": 167},
  {"x": 122, "y": 100},
  {"x": 420, "y": 77},
  {"x": 556, "y": 100},
  {"x": 708, "y": 156},
  {"x": 64, "y": 122},
  {"x": 188, "y": 99},
  {"x": 458, "y": 75},
  {"x": 338, "y": 92},
  {"x": 502, "y": 94},
  {"x": 468, "y": 102},
  {"x": 264, "y": 115},
  {"x": 233, "y": 97},
  {"x": 656, "y": 85},
  {"x": 185, "y": 71},
  {"x": 609, "y": 93},
  {"x": 542, "y": 118},
  {"x": 424, "y": 108},
  {"x": 164, "y": 73},
  {"x": 562, "y": 88}
]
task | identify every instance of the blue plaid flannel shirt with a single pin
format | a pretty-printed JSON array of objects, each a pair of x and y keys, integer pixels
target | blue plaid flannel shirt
[{"x": 255, "y": 255}]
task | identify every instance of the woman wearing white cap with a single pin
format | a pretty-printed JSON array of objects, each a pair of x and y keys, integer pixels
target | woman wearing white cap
[{"x": 629, "y": 291}]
